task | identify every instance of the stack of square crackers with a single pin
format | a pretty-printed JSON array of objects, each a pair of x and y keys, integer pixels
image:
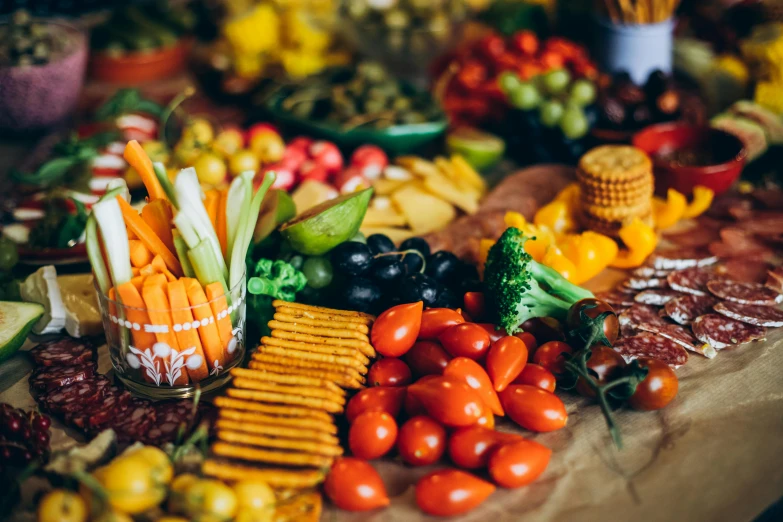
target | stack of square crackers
[
  {"x": 276, "y": 421},
  {"x": 616, "y": 183}
]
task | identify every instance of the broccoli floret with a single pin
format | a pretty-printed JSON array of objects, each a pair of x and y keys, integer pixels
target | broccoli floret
[
  {"x": 276, "y": 279},
  {"x": 520, "y": 288}
]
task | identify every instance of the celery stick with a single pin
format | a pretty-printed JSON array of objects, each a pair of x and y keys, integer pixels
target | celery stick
[
  {"x": 165, "y": 182},
  {"x": 186, "y": 229},
  {"x": 182, "y": 254},
  {"x": 205, "y": 265},
  {"x": 245, "y": 234},
  {"x": 117, "y": 187},
  {"x": 115, "y": 239},
  {"x": 96, "y": 259},
  {"x": 240, "y": 195}
]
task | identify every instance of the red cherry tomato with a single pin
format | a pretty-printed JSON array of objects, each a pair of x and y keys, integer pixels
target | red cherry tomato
[
  {"x": 378, "y": 398},
  {"x": 552, "y": 60},
  {"x": 606, "y": 364},
  {"x": 471, "y": 373},
  {"x": 537, "y": 376},
  {"x": 491, "y": 46},
  {"x": 421, "y": 441},
  {"x": 525, "y": 42},
  {"x": 450, "y": 492},
  {"x": 544, "y": 329},
  {"x": 372, "y": 435},
  {"x": 658, "y": 389},
  {"x": 435, "y": 320},
  {"x": 448, "y": 401},
  {"x": 466, "y": 340},
  {"x": 396, "y": 329},
  {"x": 427, "y": 358},
  {"x": 505, "y": 361},
  {"x": 474, "y": 304},
  {"x": 487, "y": 420},
  {"x": 533, "y": 408},
  {"x": 530, "y": 343},
  {"x": 354, "y": 485},
  {"x": 389, "y": 371},
  {"x": 519, "y": 463},
  {"x": 494, "y": 334},
  {"x": 550, "y": 356},
  {"x": 471, "y": 447},
  {"x": 412, "y": 406}
]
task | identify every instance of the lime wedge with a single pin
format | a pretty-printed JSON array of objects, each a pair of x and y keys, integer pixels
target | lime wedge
[
  {"x": 480, "y": 149},
  {"x": 323, "y": 227},
  {"x": 16, "y": 321}
]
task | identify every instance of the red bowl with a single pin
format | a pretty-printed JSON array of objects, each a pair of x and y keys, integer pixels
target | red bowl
[
  {"x": 726, "y": 150},
  {"x": 134, "y": 68}
]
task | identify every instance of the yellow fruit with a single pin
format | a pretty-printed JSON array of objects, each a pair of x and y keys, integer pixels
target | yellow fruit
[
  {"x": 242, "y": 161},
  {"x": 179, "y": 485},
  {"x": 210, "y": 168},
  {"x": 210, "y": 497},
  {"x": 228, "y": 141},
  {"x": 162, "y": 471},
  {"x": 268, "y": 146},
  {"x": 62, "y": 506},
  {"x": 133, "y": 179},
  {"x": 113, "y": 516},
  {"x": 254, "y": 495},
  {"x": 130, "y": 486},
  {"x": 156, "y": 150},
  {"x": 186, "y": 151},
  {"x": 201, "y": 130},
  {"x": 172, "y": 519},
  {"x": 260, "y": 515}
]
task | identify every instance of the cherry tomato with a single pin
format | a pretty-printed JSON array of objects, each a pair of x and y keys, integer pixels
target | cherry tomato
[
  {"x": 474, "y": 304},
  {"x": 487, "y": 420},
  {"x": 491, "y": 46},
  {"x": 378, "y": 398},
  {"x": 450, "y": 492},
  {"x": 525, "y": 42},
  {"x": 538, "y": 376},
  {"x": 494, "y": 334},
  {"x": 421, "y": 441},
  {"x": 448, "y": 401},
  {"x": 389, "y": 371},
  {"x": 533, "y": 408},
  {"x": 435, "y": 320},
  {"x": 604, "y": 365},
  {"x": 544, "y": 329},
  {"x": 505, "y": 361},
  {"x": 427, "y": 358},
  {"x": 372, "y": 435},
  {"x": 396, "y": 329},
  {"x": 550, "y": 356},
  {"x": 354, "y": 485},
  {"x": 465, "y": 340},
  {"x": 471, "y": 373},
  {"x": 592, "y": 308},
  {"x": 530, "y": 343},
  {"x": 471, "y": 447},
  {"x": 657, "y": 389},
  {"x": 519, "y": 463},
  {"x": 552, "y": 60}
]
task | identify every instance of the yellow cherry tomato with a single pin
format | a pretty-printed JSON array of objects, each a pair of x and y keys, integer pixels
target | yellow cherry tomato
[
  {"x": 61, "y": 505},
  {"x": 210, "y": 169},
  {"x": 130, "y": 485},
  {"x": 210, "y": 498},
  {"x": 201, "y": 130},
  {"x": 260, "y": 515},
  {"x": 241, "y": 161},
  {"x": 172, "y": 519},
  {"x": 268, "y": 146},
  {"x": 179, "y": 485},
  {"x": 114, "y": 516},
  {"x": 254, "y": 495},
  {"x": 228, "y": 141},
  {"x": 162, "y": 470}
]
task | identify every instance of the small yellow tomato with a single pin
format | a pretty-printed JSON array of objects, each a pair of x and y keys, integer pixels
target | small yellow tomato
[
  {"x": 61, "y": 505},
  {"x": 113, "y": 516},
  {"x": 201, "y": 130},
  {"x": 162, "y": 471},
  {"x": 228, "y": 142},
  {"x": 268, "y": 146},
  {"x": 209, "y": 497},
  {"x": 257, "y": 515},
  {"x": 210, "y": 168},
  {"x": 130, "y": 485},
  {"x": 241, "y": 161},
  {"x": 254, "y": 495},
  {"x": 179, "y": 485},
  {"x": 172, "y": 519}
]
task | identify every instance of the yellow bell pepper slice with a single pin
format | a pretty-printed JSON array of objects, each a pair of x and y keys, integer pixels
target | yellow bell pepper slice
[
  {"x": 484, "y": 247},
  {"x": 570, "y": 195},
  {"x": 640, "y": 239},
  {"x": 557, "y": 216},
  {"x": 668, "y": 213},
  {"x": 555, "y": 260},
  {"x": 514, "y": 219},
  {"x": 702, "y": 199},
  {"x": 607, "y": 247},
  {"x": 589, "y": 253}
]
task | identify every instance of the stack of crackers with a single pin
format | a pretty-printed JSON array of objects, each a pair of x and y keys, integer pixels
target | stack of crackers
[
  {"x": 616, "y": 185},
  {"x": 276, "y": 421}
]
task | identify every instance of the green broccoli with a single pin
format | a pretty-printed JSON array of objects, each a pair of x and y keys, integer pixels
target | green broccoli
[
  {"x": 271, "y": 280},
  {"x": 519, "y": 288}
]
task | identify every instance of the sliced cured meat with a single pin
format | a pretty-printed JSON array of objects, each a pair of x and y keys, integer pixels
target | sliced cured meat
[
  {"x": 656, "y": 296},
  {"x": 745, "y": 293},
  {"x": 135, "y": 421},
  {"x": 775, "y": 279},
  {"x": 721, "y": 332},
  {"x": 50, "y": 378},
  {"x": 730, "y": 205},
  {"x": 678, "y": 258},
  {"x": 743, "y": 269},
  {"x": 75, "y": 397},
  {"x": 616, "y": 298},
  {"x": 63, "y": 352},
  {"x": 692, "y": 280},
  {"x": 643, "y": 283},
  {"x": 649, "y": 345},
  {"x": 751, "y": 314},
  {"x": 648, "y": 271},
  {"x": 171, "y": 418},
  {"x": 208, "y": 413},
  {"x": 697, "y": 236},
  {"x": 680, "y": 335},
  {"x": 769, "y": 198},
  {"x": 637, "y": 314},
  {"x": 736, "y": 242},
  {"x": 96, "y": 416},
  {"x": 686, "y": 308}
]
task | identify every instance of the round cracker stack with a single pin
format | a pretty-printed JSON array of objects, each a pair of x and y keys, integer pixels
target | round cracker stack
[{"x": 616, "y": 185}]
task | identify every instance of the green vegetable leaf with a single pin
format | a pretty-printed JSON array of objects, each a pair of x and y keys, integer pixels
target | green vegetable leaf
[
  {"x": 49, "y": 172},
  {"x": 126, "y": 101}
]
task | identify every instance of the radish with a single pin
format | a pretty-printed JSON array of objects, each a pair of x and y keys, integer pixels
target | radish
[
  {"x": 301, "y": 143},
  {"x": 285, "y": 179},
  {"x": 294, "y": 157},
  {"x": 326, "y": 154},
  {"x": 370, "y": 160},
  {"x": 313, "y": 171},
  {"x": 259, "y": 128},
  {"x": 350, "y": 180}
]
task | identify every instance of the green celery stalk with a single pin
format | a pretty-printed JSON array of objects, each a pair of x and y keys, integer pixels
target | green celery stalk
[
  {"x": 94, "y": 254},
  {"x": 182, "y": 254},
  {"x": 240, "y": 195},
  {"x": 163, "y": 177},
  {"x": 245, "y": 233},
  {"x": 115, "y": 239},
  {"x": 206, "y": 267}
]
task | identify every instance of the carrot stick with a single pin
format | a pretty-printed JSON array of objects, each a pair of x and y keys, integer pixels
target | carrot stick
[
  {"x": 211, "y": 204},
  {"x": 130, "y": 296},
  {"x": 158, "y": 215},
  {"x": 220, "y": 223},
  {"x": 159, "y": 311},
  {"x": 138, "y": 282},
  {"x": 148, "y": 237},
  {"x": 131, "y": 234},
  {"x": 210, "y": 338},
  {"x": 135, "y": 271},
  {"x": 160, "y": 268},
  {"x": 139, "y": 254},
  {"x": 219, "y": 304},
  {"x": 187, "y": 338},
  {"x": 139, "y": 160}
]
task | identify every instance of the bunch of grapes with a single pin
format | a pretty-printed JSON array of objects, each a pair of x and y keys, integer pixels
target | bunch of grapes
[{"x": 24, "y": 436}]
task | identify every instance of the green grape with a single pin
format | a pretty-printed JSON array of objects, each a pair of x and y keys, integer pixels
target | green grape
[
  {"x": 574, "y": 123},
  {"x": 318, "y": 271},
  {"x": 550, "y": 112},
  {"x": 583, "y": 92},
  {"x": 557, "y": 80},
  {"x": 509, "y": 82},
  {"x": 525, "y": 97}
]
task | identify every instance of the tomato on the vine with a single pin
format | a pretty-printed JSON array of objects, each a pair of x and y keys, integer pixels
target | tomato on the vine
[
  {"x": 533, "y": 408},
  {"x": 396, "y": 329},
  {"x": 450, "y": 492},
  {"x": 538, "y": 376},
  {"x": 449, "y": 401},
  {"x": 658, "y": 389},
  {"x": 471, "y": 447},
  {"x": 551, "y": 356},
  {"x": 354, "y": 485},
  {"x": 592, "y": 308},
  {"x": 604, "y": 365},
  {"x": 435, "y": 320},
  {"x": 465, "y": 340},
  {"x": 372, "y": 435},
  {"x": 544, "y": 329},
  {"x": 389, "y": 371},
  {"x": 518, "y": 463},
  {"x": 427, "y": 358},
  {"x": 505, "y": 361},
  {"x": 421, "y": 441},
  {"x": 377, "y": 398}
]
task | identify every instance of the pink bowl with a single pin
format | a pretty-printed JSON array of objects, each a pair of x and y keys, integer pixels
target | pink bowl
[{"x": 726, "y": 150}]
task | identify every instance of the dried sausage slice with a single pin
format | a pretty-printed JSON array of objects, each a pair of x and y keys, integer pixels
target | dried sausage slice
[
  {"x": 721, "y": 332},
  {"x": 637, "y": 314},
  {"x": 656, "y": 296},
  {"x": 692, "y": 280},
  {"x": 643, "y": 283},
  {"x": 135, "y": 421},
  {"x": 678, "y": 258},
  {"x": 649, "y": 345},
  {"x": 751, "y": 314},
  {"x": 745, "y": 293},
  {"x": 616, "y": 298},
  {"x": 648, "y": 271},
  {"x": 170, "y": 418},
  {"x": 743, "y": 269},
  {"x": 63, "y": 352},
  {"x": 50, "y": 378},
  {"x": 76, "y": 397},
  {"x": 96, "y": 416},
  {"x": 686, "y": 308},
  {"x": 679, "y": 335}
]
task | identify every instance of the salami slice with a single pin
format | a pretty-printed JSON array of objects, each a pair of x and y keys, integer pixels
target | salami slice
[
  {"x": 76, "y": 397},
  {"x": 678, "y": 258},
  {"x": 50, "y": 378},
  {"x": 736, "y": 242},
  {"x": 643, "y": 283},
  {"x": 745, "y": 293},
  {"x": 616, "y": 298},
  {"x": 721, "y": 332},
  {"x": 697, "y": 236},
  {"x": 656, "y": 296},
  {"x": 680, "y": 335},
  {"x": 637, "y": 314},
  {"x": 96, "y": 416},
  {"x": 655, "y": 346},
  {"x": 692, "y": 280},
  {"x": 136, "y": 420},
  {"x": 648, "y": 271},
  {"x": 686, "y": 308},
  {"x": 170, "y": 418},
  {"x": 63, "y": 352},
  {"x": 743, "y": 270},
  {"x": 775, "y": 279},
  {"x": 751, "y": 314}
]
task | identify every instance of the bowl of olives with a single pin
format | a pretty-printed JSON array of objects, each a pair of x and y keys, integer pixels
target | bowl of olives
[{"x": 42, "y": 66}]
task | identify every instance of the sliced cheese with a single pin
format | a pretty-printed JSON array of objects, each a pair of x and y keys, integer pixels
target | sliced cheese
[{"x": 82, "y": 313}]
